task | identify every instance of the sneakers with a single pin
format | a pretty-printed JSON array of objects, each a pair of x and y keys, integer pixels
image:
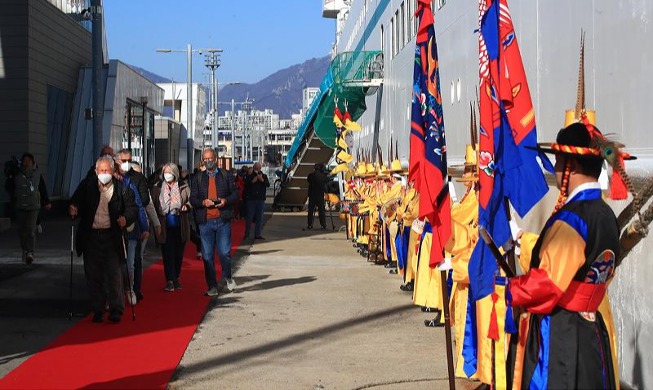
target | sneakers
[
  {"x": 132, "y": 298},
  {"x": 29, "y": 257},
  {"x": 212, "y": 292},
  {"x": 39, "y": 229},
  {"x": 177, "y": 284},
  {"x": 231, "y": 284},
  {"x": 199, "y": 255},
  {"x": 170, "y": 286}
]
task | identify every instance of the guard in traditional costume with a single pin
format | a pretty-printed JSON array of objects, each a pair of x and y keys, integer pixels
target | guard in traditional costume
[
  {"x": 563, "y": 341},
  {"x": 464, "y": 235}
]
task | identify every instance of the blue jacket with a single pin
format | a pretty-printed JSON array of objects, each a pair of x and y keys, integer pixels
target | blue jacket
[{"x": 142, "y": 223}]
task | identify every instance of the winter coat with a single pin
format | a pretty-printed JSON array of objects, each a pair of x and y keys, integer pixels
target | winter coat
[{"x": 184, "y": 192}]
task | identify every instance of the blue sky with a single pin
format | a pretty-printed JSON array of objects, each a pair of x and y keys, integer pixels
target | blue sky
[{"x": 258, "y": 37}]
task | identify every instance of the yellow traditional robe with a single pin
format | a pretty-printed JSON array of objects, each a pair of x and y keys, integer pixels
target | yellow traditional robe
[
  {"x": 427, "y": 291},
  {"x": 464, "y": 216}
]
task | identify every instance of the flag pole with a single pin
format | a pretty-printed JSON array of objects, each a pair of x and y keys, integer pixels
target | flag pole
[{"x": 447, "y": 329}]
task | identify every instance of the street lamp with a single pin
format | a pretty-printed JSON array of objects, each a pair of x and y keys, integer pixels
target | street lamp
[{"x": 189, "y": 93}]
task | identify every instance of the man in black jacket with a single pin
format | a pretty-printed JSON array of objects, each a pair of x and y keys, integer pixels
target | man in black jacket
[
  {"x": 256, "y": 185},
  {"x": 212, "y": 195},
  {"x": 317, "y": 182},
  {"x": 124, "y": 159},
  {"x": 105, "y": 208}
]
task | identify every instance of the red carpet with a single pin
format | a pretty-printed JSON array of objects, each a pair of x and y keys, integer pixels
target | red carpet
[{"x": 141, "y": 354}]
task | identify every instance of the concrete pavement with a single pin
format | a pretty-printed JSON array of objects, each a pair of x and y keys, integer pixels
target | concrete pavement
[{"x": 308, "y": 313}]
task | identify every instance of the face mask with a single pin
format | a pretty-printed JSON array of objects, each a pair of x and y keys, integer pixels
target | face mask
[
  {"x": 104, "y": 178},
  {"x": 209, "y": 164},
  {"x": 169, "y": 177},
  {"x": 125, "y": 166}
]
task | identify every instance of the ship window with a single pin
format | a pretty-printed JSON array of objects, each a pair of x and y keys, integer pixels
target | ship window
[
  {"x": 453, "y": 93},
  {"x": 458, "y": 89},
  {"x": 392, "y": 37},
  {"x": 403, "y": 24},
  {"x": 397, "y": 35}
]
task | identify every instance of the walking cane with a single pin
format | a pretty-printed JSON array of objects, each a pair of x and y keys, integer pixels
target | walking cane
[
  {"x": 129, "y": 281},
  {"x": 70, "y": 286}
]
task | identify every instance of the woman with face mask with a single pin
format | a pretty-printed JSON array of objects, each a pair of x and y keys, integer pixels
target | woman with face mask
[{"x": 170, "y": 198}]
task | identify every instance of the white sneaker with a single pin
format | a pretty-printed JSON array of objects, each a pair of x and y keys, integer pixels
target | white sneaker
[
  {"x": 132, "y": 298},
  {"x": 231, "y": 284},
  {"x": 39, "y": 229}
]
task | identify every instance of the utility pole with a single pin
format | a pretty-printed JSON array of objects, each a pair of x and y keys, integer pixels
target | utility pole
[
  {"x": 233, "y": 132},
  {"x": 213, "y": 62},
  {"x": 247, "y": 105},
  {"x": 96, "y": 74}
]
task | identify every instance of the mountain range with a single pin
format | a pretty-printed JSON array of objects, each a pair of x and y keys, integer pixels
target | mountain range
[{"x": 281, "y": 91}]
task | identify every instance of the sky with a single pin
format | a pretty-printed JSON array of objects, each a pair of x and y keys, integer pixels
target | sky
[{"x": 258, "y": 37}]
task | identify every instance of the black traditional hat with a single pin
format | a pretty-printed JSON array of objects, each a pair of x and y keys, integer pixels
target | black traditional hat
[{"x": 585, "y": 141}]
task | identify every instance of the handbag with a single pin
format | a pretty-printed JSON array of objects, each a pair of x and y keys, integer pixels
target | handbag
[{"x": 173, "y": 220}]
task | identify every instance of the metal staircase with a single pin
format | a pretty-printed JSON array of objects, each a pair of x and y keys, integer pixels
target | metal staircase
[
  {"x": 351, "y": 77},
  {"x": 293, "y": 192}
]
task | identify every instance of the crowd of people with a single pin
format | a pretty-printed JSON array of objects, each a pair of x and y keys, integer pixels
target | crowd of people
[
  {"x": 548, "y": 327},
  {"x": 117, "y": 208}
]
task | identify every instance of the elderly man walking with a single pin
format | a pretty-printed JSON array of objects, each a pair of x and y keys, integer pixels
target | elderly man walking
[
  {"x": 213, "y": 194},
  {"x": 105, "y": 208}
]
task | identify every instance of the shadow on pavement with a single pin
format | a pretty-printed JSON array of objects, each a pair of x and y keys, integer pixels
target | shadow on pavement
[{"x": 277, "y": 283}]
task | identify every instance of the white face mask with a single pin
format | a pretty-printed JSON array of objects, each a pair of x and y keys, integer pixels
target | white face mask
[
  {"x": 104, "y": 178},
  {"x": 169, "y": 177},
  {"x": 124, "y": 167}
]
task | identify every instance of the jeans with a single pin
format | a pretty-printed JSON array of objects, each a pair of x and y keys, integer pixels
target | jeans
[
  {"x": 138, "y": 265},
  {"x": 254, "y": 210},
  {"x": 132, "y": 246},
  {"x": 216, "y": 234}
]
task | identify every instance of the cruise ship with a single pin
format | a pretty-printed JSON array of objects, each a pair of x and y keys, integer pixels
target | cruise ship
[{"x": 372, "y": 71}]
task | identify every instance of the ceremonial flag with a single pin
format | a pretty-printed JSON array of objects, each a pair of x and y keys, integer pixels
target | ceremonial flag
[
  {"x": 508, "y": 168},
  {"x": 428, "y": 149}
]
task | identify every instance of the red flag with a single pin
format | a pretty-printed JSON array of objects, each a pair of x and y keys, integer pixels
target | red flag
[{"x": 428, "y": 149}]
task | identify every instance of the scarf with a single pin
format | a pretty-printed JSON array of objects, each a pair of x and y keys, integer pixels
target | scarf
[{"x": 170, "y": 197}]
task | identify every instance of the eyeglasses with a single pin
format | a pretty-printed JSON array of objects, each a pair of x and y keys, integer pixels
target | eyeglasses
[{"x": 208, "y": 159}]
